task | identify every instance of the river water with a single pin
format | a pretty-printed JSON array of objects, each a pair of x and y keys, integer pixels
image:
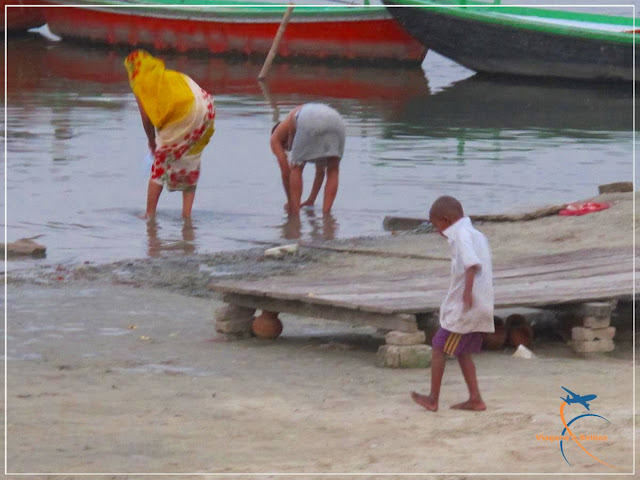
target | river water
[{"x": 76, "y": 148}]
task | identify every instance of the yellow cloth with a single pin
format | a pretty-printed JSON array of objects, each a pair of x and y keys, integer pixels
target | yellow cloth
[
  {"x": 204, "y": 140},
  {"x": 164, "y": 94}
]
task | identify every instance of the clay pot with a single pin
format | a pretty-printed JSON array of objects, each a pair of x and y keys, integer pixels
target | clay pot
[
  {"x": 267, "y": 325},
  {"x": 495, "y": 340},
  {"x": 519, "y": 331}
]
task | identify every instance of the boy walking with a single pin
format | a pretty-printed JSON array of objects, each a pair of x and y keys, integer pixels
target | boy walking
[{"x": 467, "y": 310}]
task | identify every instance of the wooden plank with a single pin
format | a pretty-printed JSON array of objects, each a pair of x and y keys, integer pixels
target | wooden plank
[
  {"x": 575, "y": 274},
  {"x": 553, "y": 263},
  {"x": 571, "y": 256},
  {"x": 380, "y": 297},
  {"x": 557, "y": 279},
  {"x": 566, "y": 290},
  {"x": 349, "y": 288},
  {"x": 617, "y": 280},
  {"x": 424, "y": 276},
  {"x": 404, "y": 323},
  {"x": 354, "y": 302},
  {"x": 524, "y": 293},
  {"x": 417, "y": 301},
  {"x": 520, "y": 294},
  {"x": 304, "y": 282},
  {"x": 584, "y": 264},
  {"x": 383, "y": 302}
]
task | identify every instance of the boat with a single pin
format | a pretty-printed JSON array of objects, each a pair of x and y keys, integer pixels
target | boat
[
  {"x": 353, "y": 33},
  {"x": 20, "y": 18},
  {"x": 513, "y": 40}
]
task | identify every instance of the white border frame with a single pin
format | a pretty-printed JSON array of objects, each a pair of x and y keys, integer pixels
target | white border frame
[{"x": 515, "y": 474}]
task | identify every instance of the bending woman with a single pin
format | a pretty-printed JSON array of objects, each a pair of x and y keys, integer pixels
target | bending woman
[
  {"x": 178, "y": 118},
  {"x": 312, "y": 133}
]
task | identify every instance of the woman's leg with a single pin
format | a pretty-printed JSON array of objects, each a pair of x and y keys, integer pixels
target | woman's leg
[
  {"x": 331, "y": 186},
  {"x": 153, "y": 195},
  {"x": 295, "y": 189},
  {"x": 188, "y": 196},
  {"x": 188, "y": 236}
]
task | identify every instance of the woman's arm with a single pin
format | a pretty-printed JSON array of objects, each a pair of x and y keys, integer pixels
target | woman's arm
[
  {"x": 149, "y": 129},
  {"x": 279, "y": 138}
]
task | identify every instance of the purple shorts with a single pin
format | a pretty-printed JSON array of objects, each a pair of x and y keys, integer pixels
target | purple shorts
[{"x": 457, "y": 343}]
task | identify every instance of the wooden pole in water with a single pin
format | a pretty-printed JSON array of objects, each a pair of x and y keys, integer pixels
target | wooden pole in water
[
  {"x": 276, "y": 42},
  {"x": 267, "y": 96}
]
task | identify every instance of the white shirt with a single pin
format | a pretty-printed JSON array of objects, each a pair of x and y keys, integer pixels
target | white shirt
[{"x": 469, "y": 247}]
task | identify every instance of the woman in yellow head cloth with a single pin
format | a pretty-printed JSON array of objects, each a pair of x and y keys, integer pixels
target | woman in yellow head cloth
[{"x": 178, "y": 118}]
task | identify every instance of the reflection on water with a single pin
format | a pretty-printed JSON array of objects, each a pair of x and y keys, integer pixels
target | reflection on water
[
  {"x": 157, "y": 244},
  {"x": 76, "y": 149},
  {"x": 479, "y": 103},
  {"x": 321, "y": 226}
]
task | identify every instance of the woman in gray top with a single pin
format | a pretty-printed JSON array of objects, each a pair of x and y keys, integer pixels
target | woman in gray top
[{"x": 313, "y": 133}]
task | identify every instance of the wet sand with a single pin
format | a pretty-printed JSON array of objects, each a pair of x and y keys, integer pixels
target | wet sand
[{"x": 116, "y": 369}]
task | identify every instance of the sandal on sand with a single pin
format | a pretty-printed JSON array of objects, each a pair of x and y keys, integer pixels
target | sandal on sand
[{"x": 583, "y": 208}]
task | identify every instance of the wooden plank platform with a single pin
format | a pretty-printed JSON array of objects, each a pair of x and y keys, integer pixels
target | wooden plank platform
[{"x": 391, "y": 300}]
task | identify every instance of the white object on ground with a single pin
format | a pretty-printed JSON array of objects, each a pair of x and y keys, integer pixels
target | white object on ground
[
  {"x": 523, "y": 352},
  {"x": 281, "y": 251}
]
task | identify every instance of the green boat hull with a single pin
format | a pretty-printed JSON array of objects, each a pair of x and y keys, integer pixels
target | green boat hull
[{"x": 524, "y": 41}]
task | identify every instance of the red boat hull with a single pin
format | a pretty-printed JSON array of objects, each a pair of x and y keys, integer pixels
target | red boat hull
[{"x": 363, "y": 39}]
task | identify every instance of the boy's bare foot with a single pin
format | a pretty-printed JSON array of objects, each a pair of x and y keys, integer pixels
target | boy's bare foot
[
  {"x": 425, "y": 401},
  {"x": 475, "y": 405}
]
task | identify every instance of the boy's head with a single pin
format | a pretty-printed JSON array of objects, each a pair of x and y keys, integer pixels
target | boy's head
[{"x": 444, "y": 212}]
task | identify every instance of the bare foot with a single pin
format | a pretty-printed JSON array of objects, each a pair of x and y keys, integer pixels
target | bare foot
[
  {"x": 146, "y": 216},
  {"x": 425, "y": 401},
  {"x": 475, "y": 405}
]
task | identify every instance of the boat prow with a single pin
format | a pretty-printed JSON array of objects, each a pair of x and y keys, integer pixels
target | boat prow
[{"x": 512, "y": 40}]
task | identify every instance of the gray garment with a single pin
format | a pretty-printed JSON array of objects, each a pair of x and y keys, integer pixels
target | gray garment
[{"x": 320, "y": 133}]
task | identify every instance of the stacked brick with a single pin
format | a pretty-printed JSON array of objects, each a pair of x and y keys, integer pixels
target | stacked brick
[
  {"x": 404, "y": 350},
  {"x": 595, "y": 334},
  {"x": 234, "y": 322}
]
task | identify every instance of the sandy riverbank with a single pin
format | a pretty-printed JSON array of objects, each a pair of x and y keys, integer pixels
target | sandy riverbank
[
  {"x": 89, "y": 393},
  {"x": 113, "y": 369}
]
